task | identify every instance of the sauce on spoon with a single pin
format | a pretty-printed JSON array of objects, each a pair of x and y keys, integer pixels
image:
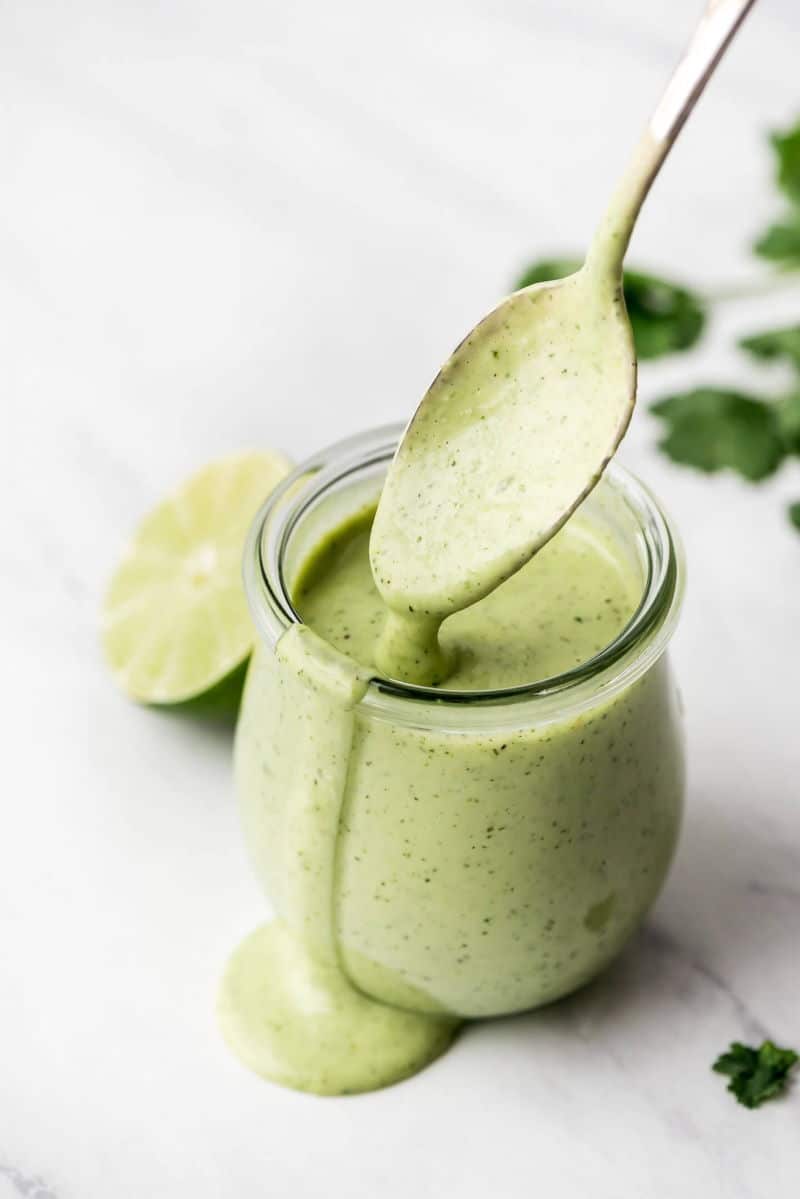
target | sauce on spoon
[
  {"x": 515, "y": 430},
  {"x": 521, "y": 421}
]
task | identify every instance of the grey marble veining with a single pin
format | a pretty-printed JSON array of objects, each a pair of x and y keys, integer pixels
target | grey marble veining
[{"x": 29, "y": 1188}]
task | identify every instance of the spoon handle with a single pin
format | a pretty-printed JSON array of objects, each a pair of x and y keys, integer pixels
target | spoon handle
[{"x": 709, "y": 41}]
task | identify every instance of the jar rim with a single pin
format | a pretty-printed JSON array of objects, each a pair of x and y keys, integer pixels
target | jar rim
[{"x": 638, "y": 645}]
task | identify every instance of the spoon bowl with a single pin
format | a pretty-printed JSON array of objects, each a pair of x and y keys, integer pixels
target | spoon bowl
[
  {"x": 520, "y": 422},
  {"x": 513, "y": 433}
]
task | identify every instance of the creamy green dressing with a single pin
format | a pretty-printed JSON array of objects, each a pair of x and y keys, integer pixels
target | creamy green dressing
[
  {"x": 514, "y": 431},
  {"x": 375, "y": 956},
  {"x": 426, "y": 867},
  {"x": 286, "y": 1007},
  {"x": 552, "y": 615},
  {"x": 421, "y": 878}
]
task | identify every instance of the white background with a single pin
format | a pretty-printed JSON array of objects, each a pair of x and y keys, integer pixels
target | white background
[{"x": 244, "y": 224}]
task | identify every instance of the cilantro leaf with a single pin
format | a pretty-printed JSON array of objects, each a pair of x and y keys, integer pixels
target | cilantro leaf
[
  {"x": 775, "y": 344},
  {"x": 788, "y": 416},
  {"x": 756, "y": 1074},
  {"x": 664, "y": 316},
  {"x": 714, "y": 428},
  {"x": 781, "y": 242},
  {"x": 787, "y": 151},
  {"x": 711, "y": 428}
]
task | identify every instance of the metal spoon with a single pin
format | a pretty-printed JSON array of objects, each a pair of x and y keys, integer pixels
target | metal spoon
[{"x": 521, "y": 421}]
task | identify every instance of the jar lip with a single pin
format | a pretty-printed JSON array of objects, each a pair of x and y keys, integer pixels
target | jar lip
[{"x": 613, "y": 667}]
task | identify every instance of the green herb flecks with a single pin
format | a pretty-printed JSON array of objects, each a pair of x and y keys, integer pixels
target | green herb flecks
[{"x": 756, "y": 1074}]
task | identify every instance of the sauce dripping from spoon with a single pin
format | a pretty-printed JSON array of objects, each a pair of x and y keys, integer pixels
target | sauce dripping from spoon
[{"x": 525, "y": 415}]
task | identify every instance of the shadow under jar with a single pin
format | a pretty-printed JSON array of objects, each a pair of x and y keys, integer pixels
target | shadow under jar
[{"x": 491, "y": 851}]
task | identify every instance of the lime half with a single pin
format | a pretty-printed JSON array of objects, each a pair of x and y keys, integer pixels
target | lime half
[{"x": 176, "y": 628}]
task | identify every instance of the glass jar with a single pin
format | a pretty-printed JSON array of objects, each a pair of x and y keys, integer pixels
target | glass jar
[{"x": 529, "y": 830}]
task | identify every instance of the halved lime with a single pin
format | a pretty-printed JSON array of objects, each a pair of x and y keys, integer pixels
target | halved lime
[{"x": 176, "y": 628}]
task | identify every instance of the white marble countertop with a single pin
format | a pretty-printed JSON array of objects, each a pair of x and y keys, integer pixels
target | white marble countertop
[{"x": 217, "y": 221}]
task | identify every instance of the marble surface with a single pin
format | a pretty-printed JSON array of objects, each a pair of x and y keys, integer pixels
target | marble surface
[{"x": 260, "y": 223}]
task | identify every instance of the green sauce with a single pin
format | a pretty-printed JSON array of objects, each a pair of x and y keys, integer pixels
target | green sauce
[
  {"x": 425, "y": 872},
  {"x": 557, "y": 612}
]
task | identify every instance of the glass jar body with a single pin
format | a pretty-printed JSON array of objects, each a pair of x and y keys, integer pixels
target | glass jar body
[{"x": 494, "y": 852}]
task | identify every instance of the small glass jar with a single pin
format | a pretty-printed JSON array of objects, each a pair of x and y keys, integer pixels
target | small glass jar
[{"x": 529, "y": 830}]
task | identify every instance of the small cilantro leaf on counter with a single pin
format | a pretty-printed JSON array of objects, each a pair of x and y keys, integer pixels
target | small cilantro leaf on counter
[
  {"x": 665, "y": 317},
  {"x": 775, "y": 344},
  {"x": 794, "y": 513},
  {"x": 756, "y": 1074},
  {"x": 712, "y": 428}
]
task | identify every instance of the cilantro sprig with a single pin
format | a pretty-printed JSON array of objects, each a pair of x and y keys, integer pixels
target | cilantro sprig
[
  {"x": 756, "y": 1074},
  {"x": 713, "y": 428},
  {"x": 780, "y": 243}
]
